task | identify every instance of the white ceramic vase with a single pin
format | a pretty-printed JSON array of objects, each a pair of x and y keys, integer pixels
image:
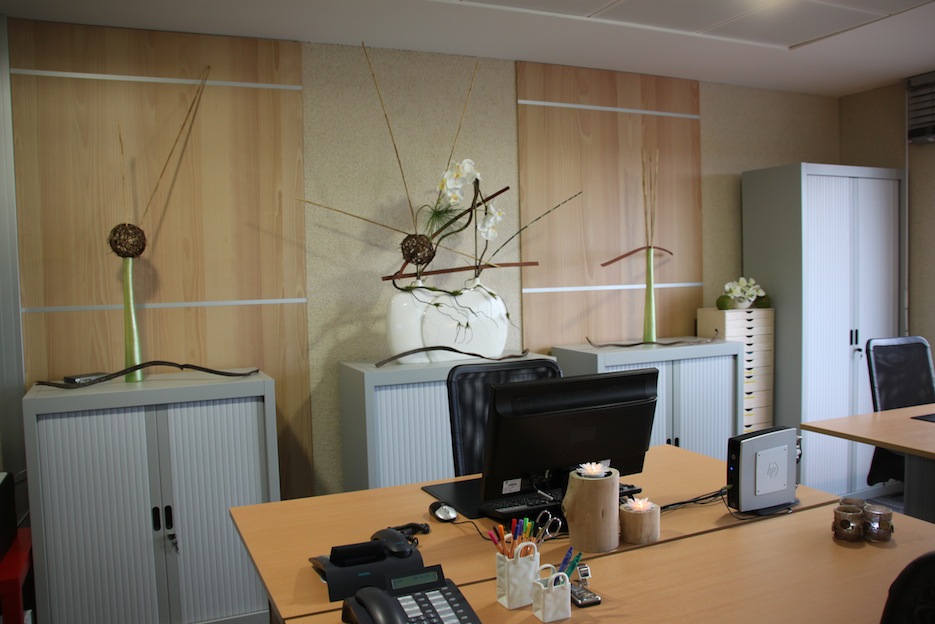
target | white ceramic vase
[{"x": 474, "y": 321}]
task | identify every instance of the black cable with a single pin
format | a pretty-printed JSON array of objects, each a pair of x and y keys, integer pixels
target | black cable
[
  {"x": 704, "y": 499},
  {"x": 84, "y": 384}
]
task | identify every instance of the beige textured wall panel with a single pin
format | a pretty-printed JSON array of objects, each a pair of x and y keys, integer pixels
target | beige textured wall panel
[
  {"x": 743, "y": 129},
  {"x": 873, "y": 128},
  {"x": 351, "y": 166},
  {"x": 921, "y": 235}
]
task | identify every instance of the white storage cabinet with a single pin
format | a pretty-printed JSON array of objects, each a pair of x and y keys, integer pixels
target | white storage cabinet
[
  {"x": 130, "y": 486},
  {"x": 698, "y": 392},
  {"x": 825, "y": 243}
]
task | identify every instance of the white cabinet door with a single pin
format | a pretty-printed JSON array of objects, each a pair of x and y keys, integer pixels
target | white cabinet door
[
  {"x": 828, "y": 299},
  {"x": 97, "y": 537},
  {"x": 216, "y": 462}
]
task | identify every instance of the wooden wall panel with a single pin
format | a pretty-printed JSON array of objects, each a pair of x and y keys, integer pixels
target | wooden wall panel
[
  {"x": 97, "y": 113},
  {"x": 587, "y": 130}
]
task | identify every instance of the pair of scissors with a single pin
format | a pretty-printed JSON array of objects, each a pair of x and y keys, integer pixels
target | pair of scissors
[{"x": 549, "y": 526}]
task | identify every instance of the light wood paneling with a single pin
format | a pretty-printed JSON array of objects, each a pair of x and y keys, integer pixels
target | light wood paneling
[
  {"x": 599, "y": 151},
  {"x": 222, "y": 280}
]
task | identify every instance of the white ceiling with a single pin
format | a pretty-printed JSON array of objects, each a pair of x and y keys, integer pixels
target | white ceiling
[{"x": 827, "y": 47}]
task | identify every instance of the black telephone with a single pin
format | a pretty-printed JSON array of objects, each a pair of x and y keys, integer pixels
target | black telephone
[{"x": 410, "y": 597}]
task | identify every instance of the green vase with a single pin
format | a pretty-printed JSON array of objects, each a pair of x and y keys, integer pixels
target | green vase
[
  {"x": 131, "y": 334},
  {"x": 649, "y": 308}
]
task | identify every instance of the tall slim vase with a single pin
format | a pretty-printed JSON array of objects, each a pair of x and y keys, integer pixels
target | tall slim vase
[{"x": 649, "y": 307}]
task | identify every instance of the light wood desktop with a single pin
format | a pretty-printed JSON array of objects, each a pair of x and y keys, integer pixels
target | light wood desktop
[
  {"x": 781, "y": 569},
  {"x": 281, "y": 536},
  {"x": 898, "y": 431}
]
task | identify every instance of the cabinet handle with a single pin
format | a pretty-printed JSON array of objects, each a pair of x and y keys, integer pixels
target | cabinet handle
[
  {"x": 168, "y": 514},
  {"x": 157, "y": 526},
  {"x": 676, "y": 441}
]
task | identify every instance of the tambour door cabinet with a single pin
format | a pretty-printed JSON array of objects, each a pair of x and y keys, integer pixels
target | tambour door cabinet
[
  {"x": 753, "y": 328},
  {"x": 130, "y": 486},
  {"x": 698, "y": 391},
  {"x": 825, "y": 243}
]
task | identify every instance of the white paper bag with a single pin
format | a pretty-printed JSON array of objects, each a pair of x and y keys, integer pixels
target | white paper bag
[
  {"x": 516, "y": 574},
  {"x": 551, "y": 595}
]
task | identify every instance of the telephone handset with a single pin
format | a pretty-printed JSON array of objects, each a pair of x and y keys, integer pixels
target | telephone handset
[{"x": 410, "y": 597}]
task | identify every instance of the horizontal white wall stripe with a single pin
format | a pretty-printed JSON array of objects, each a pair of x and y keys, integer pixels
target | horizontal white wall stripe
[
  {"x": 530, "y": 291},
  {"x": 120, "y": 78},
  {"x": 610, "y": 109},
  {"x": 180, "y": 304}
]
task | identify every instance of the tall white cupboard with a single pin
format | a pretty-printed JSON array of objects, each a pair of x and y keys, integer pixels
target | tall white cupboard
[
  {"x": 825, "y": 241},
  {"x": 130, "y": 487}
]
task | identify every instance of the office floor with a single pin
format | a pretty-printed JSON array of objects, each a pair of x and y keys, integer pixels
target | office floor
[{"x": 893, "y": 501}]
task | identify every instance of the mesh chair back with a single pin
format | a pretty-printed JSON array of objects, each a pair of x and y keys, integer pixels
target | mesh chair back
[
  {"x": 911, "y": 599},
  {"x": 468, "y": 398},
  {"x": 901, "y": 375}
]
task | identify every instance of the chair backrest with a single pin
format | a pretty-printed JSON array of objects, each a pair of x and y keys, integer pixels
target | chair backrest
[
  {"x": 468, "y": 398},
  {"x": 901, "y": 372},
  {"x": 911, "y": 599}
]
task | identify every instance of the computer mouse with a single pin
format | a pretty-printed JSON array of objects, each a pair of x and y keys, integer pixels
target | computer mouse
[{"x": 443, "y": 512}]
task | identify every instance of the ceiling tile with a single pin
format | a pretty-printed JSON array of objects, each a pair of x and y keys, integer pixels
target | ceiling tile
[
  {"x": 884, "y": 7},
  {"x": 678, "y": 14},
  {"x": 790, "y": 23},
  {"x": 580, "y": 8}
]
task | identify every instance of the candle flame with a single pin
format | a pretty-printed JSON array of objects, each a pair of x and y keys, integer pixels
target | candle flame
[{"x": 638, "y": 504}]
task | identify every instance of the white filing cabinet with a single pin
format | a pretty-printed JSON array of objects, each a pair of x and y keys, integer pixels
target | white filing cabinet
[
  {"x": 753, "y": 328},
  {"x": 698, "y": 404},
  {"x": 130, "y": 486},
  {"x": 394, "y": 422}
]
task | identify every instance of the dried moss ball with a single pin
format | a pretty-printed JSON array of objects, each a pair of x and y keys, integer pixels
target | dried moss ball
[
  {"x": 127, "y": 240},
  {"x": 417, "y": 249}
]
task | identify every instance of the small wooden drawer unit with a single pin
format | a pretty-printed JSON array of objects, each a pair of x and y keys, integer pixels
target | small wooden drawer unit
[{"x": 754, "y": 328}]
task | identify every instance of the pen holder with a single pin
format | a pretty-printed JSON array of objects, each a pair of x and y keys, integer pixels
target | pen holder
[
  {"x": 516, "y": 575},
  {"x": 591, "y": 506},
  {"x": 551, "y": 596}
]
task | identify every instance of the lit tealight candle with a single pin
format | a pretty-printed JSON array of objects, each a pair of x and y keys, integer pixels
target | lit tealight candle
[
  {"x": 638, "y": 504},
  {"x": 592, "y": 469},
  {"x": 639, "y": 521}
]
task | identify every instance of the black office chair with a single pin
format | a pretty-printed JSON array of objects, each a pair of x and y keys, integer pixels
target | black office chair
[
  {"x": 468, "y": 396},
  {"x": 901, "y": 375},
  {"x": 911, "y": 598}
]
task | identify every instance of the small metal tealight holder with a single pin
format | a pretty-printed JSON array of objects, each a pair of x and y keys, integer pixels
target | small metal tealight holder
[
  {"x": 848, "y": 523},
  {"x": 878, "y": 523}
]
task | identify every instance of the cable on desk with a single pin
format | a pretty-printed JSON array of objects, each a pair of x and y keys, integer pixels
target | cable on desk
[{"x": 704, "y": 499}]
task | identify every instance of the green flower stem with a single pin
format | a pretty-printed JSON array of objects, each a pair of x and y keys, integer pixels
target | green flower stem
[
  {"x": 131, "y": 334},
  {"x": 649, "y": 308}
]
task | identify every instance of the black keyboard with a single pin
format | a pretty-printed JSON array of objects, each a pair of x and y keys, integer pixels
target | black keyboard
[{"x": 530, "y": 505}]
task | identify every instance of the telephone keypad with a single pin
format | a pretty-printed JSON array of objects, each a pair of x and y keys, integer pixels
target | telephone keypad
[{"x": 437, "y": 606}]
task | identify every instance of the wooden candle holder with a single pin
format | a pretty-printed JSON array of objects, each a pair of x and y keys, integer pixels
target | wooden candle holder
[
  {"x": 590, "y": 507},
  {"x": 639, "y": 527}
]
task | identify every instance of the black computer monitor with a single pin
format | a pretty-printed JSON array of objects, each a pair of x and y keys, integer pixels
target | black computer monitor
[{"x": 537, "y": 431}]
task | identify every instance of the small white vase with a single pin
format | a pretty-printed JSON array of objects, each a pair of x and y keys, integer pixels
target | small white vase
[{"x": 740, "y": 305}]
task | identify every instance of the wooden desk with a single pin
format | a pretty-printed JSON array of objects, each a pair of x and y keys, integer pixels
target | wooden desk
[
  {"x": 281, "y": 536},
  {"x": 898, "y": 431},
  {"x": 777, "y": 570}
]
